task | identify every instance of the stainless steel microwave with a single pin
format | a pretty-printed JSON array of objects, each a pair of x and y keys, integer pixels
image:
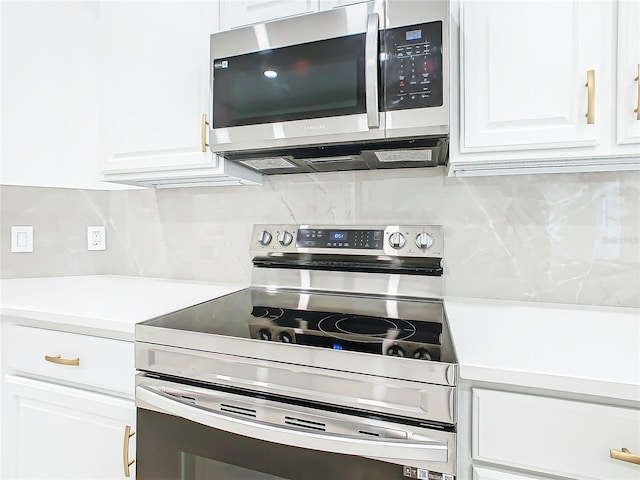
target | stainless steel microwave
[{"x": 355, "y": 87}]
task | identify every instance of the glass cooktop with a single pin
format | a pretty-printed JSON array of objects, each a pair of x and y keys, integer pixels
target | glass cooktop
[{"x": 367, "y": 324}]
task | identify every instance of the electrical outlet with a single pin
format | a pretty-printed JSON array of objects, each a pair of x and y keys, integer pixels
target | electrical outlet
[
  {"x": 21, "y": 239},
  {"x": 96, "y": 238}
]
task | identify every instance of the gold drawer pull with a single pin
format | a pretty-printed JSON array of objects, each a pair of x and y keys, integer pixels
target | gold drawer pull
[
  {"x": 637, "y": 79},
  {"x": 203, "y": 132},
  {"x": 625, "y": 455},
  {"x": 591, "y": 96},
  {"x": 126, "y": 463},
  {"x": 74, "y": 362}
]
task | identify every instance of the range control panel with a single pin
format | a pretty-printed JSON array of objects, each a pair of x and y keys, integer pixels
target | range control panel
[
  {"x": 413, "y": 67},
  {"x": 338, "y": 238},
  {"x": 394, "y": 240}
]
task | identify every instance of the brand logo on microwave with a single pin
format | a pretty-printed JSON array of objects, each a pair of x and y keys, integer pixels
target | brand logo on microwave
[
  {"x": 314, "y": 127},
  {"x": 220, "y": 64}
]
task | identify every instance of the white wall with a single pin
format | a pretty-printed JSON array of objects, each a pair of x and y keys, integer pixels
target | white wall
[{"x": 49, "y": 94}]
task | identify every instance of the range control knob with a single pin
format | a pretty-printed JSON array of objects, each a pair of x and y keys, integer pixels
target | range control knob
[
  {"x": 396, "y": 240},
  {"x": 422, "y": 354},
  {"x": 285, "y": 238},
  {"x": 264, "y": 238},
  {"x": 395, "y": 351},
  {"x": 424, "y": 241},
  {"x": 264, "y": 334},
  {"x": 285, "y": 337}
]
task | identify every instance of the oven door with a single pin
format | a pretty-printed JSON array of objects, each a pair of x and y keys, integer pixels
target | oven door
[
  {"x": 192, "y": 432},
  {"x": 297, "y": 81}
]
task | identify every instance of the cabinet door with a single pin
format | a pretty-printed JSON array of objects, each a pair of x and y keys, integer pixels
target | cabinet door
[
  {"x": 238, "y": 13},
  {"x": 154, "y": 74},
  {"x": 628, "y": 71},
  {"x": 523, "y": 73},
  {"x": 55, "y": 432}
]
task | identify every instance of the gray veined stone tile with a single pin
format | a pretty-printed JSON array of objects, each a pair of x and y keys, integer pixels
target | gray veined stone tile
[{"x": 569, "y": 238}]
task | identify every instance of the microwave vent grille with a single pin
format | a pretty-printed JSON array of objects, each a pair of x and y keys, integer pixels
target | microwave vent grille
[
  {"x": 418, "y": 155},
  {"x": 268, "y": 163}
]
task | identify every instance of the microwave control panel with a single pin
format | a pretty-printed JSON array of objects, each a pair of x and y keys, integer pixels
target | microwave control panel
[{"x": 413, "y": 75}]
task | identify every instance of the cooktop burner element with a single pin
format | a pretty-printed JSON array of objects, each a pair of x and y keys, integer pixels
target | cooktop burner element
[{"x": 360, "y": 325}]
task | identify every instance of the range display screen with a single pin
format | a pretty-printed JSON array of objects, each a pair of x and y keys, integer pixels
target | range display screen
[{"x": 345, "y": 239}]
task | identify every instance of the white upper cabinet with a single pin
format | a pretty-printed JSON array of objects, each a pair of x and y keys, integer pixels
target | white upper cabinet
[
  {"x": 239, "y": 13},
  {"x": 537, "y": 86},
  {"x": 155, "y": 91},
  {"x": 329, "y": 4},
  {"x": 524, "y": 71},
  {"x": 628, "y": 72}
]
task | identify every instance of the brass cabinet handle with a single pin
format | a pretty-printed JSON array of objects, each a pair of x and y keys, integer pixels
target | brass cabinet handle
[
  {"x": 591, "y": 96},
  {"x": 75, "y": 362},
  {"x": 203, "y": 132},
  {"x": 126, "y": 463},
  {"x": 637, "y": 79},
  {"x": 625, "y": 455}
]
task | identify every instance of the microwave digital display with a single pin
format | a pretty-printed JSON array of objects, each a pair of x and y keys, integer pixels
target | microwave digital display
[{"x": 413, "y": 35}]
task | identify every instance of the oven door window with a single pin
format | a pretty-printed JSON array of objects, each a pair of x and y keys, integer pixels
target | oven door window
[
  {"x": 170, "y": 447},
  {"x": 306, "y": 81}
]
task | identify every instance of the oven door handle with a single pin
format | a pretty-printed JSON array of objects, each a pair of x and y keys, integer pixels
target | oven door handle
[{"x": 391, "y": 450}]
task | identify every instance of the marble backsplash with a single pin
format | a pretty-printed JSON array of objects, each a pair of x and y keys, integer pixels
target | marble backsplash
[{"x": 568, "y": 238}]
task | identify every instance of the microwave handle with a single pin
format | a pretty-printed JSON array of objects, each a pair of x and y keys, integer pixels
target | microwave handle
[
  {"x": 371, "y": 70},
  {"x": 385, "y": 450}
]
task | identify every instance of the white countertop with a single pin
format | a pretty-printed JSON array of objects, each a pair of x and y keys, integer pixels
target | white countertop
[
  {"x": 105, "y": 305},
  {"x": 572, "y": 348}
]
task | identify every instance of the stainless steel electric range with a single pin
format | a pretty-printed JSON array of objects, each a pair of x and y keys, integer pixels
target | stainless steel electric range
[{"x": 335, "y": 363}]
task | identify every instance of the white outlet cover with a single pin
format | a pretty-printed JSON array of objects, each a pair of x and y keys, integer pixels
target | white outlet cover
[
  {"x": 96, "y": 238},
  {"x": 21, "y": 239}
]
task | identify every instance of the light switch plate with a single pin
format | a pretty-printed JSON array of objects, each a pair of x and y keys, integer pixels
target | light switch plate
[
  {"x": 21, "y": 239},
  {"x": 96, "y": 238}
]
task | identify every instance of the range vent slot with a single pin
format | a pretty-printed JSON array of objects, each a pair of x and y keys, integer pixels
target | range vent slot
[
  {"x": 247, "y": 412},
  {"x": 301, "y": 422},
  {"x": 372, "y": 434}
]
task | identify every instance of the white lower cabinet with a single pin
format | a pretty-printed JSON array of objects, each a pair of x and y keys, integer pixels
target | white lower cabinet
[
  {"x": 480, "y": 473},
  {"x": 552, "y": 436},
  {"x": 68, "y": 409},
  {"x": 58, "y": 432}
]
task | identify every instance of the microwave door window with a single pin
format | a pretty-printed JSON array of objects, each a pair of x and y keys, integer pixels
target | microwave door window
[{"x": 311, "y": 80}]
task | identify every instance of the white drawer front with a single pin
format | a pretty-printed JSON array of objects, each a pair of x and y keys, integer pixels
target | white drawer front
[
  {"x": 481, "y": 473},
  {"x": 554, "y": 436},
  {"x": 102, "y": 363}
]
